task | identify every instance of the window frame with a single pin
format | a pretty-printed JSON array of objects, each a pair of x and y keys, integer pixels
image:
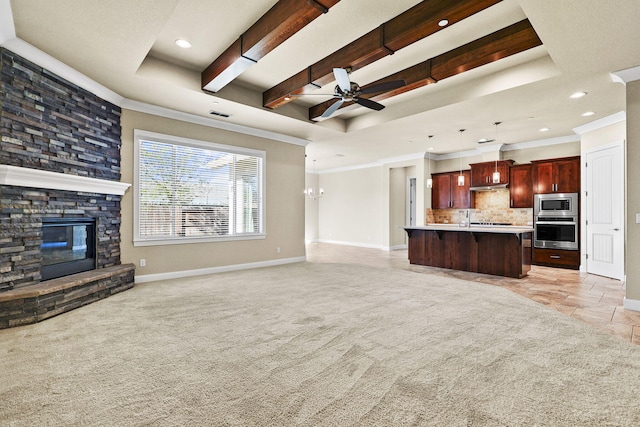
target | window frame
[{"x": 142, "y": 135}]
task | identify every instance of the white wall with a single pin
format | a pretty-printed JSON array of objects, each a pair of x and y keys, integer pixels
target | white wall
[
  {"x": 311, "y": 232},
  {"x": 351, "y": 211},
  {"x": 397, "y": 205}
]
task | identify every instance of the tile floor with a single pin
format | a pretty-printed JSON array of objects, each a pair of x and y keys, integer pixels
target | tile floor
[{"x": 592, "y": 299}]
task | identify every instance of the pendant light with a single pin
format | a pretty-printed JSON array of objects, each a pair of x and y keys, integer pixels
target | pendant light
[
  {"x": 461, "y": 177},
  {"x": 430, "y": 179},
  {"x": 496, "y": 173},
  {"x": 311, "y": 191}
]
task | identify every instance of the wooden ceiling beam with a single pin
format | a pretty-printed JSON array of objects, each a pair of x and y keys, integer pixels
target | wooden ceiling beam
[
  {"x": 508, "y": 41},
  {"x": 283, "y": 20},
  {"x": 410, "y": 26}
]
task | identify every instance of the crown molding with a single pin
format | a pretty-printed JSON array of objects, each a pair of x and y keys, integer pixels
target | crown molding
[
  {"x": 27, "y": 177},
  {"x": 541, "y": 143},
  {"x": 169, "y": 113},
  {"x": 626, "y": 76},
  {"x": 601, "y": 123}
]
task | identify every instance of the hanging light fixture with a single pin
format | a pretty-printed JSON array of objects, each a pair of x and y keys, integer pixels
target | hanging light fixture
[
  {"x": 311, "y": 191},
  {"x": 496, "y": 173},
  {"x": 461, "y": 177},
  {"x": 429, "y": 180}
]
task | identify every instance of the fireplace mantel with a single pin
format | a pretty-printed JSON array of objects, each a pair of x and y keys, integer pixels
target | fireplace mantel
[{"x": 26, "y": 177}]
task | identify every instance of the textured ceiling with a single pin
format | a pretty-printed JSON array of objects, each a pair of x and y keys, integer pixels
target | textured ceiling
[{"x": 129, "y": 48}]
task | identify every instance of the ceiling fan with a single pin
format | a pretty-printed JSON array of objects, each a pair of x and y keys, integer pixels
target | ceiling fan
[{"x": 348, "y": 91}]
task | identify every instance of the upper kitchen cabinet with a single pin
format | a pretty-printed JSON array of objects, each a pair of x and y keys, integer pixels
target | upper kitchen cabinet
[
  {"x": 446, "y": 193},
  {"x": 482, "y": 173},
  {"x": 556, "y": 175},
  {"x": 521, "y": 186}
]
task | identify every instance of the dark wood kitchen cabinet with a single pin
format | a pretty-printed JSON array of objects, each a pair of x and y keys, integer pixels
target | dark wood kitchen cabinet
[
  {"x": 557, "y": 258},
  {"x": 482, "y": 173},
  {"x": 521, "y": 186},
  {"x": 446, "y": 193},
  {"x": 556, "y": 175}
]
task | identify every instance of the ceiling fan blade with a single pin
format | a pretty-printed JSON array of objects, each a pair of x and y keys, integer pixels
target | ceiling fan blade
[
  {"x": 342, "y": 77},
  {"x": 333, "y": 108},
  {"x": 369, "y": 103},
  {"x": 384, "y": 87}
]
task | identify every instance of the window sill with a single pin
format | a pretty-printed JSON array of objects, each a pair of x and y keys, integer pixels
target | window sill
[{"x": 186, "y": 240}]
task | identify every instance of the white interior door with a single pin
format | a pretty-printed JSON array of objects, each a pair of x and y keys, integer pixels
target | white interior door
[{"x": 605, "y": 211}]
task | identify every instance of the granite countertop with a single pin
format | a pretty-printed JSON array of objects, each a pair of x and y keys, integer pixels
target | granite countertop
[{"x": 498, "y": 229}]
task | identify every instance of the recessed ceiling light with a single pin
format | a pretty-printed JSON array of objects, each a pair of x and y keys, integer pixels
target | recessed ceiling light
[
  {"x": 287, "y": 98},
  {"x": 431, "y": 148},
  {"x": 578, "y": 95},
  {"x": 183, "y": 43},
  {"x": 588, "y": 113},
  {"x": 443, "y": 22},
  {"x": 544, "y": 130}
]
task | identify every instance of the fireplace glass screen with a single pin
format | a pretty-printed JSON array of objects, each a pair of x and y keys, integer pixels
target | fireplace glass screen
[{"x": 68, "y": 246}]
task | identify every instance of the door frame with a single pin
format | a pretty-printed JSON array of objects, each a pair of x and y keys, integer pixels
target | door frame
[
  {"x": 583, "y": 218},
  {"x": 411, "y": 206}
]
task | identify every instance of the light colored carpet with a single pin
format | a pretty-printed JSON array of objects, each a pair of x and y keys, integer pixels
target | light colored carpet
[{"x": 316, "y": 344}]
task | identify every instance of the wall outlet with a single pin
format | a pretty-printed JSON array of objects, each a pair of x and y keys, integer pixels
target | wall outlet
[
  {"x": 638, "y": 218},
  {"x": 278, "y": 250},
  {"x": 143, "y": 262}
]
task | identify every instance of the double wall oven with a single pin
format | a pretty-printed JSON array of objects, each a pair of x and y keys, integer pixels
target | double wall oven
[{"x": 556, "y": 221}]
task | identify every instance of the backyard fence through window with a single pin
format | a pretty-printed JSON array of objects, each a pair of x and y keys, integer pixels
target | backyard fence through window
[{"x": 193, "y": 190}]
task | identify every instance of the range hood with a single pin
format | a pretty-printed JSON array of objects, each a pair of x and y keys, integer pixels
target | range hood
[{"x": 489, "y": 187}]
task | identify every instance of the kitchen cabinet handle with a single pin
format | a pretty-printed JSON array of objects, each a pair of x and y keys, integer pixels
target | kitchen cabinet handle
[
  {"x": 554, "y": 256},
  {"x": 615, "y": 229}
]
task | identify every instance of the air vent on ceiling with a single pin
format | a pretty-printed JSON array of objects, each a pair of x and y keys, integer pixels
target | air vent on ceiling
[{"x": 215, "y": 113}]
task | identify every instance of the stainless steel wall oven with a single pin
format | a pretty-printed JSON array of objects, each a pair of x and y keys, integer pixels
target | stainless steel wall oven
[{"x": 556, "y": 221}]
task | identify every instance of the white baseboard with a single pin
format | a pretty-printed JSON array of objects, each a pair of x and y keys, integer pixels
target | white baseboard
[
  {"x": 631, "y": 304},
  {"x": 398, "y": 247},
  {"x": 212, "y": 270},
  {"x": 360, "y": 245}
]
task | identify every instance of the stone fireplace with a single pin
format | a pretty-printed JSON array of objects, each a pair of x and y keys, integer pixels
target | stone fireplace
[{"x": 59, "y": 164}]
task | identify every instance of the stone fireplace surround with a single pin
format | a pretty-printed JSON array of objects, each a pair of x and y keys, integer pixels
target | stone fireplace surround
[
  {"x": 59, "y": 158},
  {"x": 27, "y": 196}
]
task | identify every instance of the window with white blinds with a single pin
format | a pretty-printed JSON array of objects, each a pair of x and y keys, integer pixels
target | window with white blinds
[{"x": 193, "y": 191}]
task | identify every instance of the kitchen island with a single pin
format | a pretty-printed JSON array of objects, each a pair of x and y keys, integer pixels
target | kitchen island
[{"x": 498, "y": 250}]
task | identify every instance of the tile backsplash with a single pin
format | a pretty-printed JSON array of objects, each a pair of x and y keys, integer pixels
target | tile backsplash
[{"x": 490, "y": 206}]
